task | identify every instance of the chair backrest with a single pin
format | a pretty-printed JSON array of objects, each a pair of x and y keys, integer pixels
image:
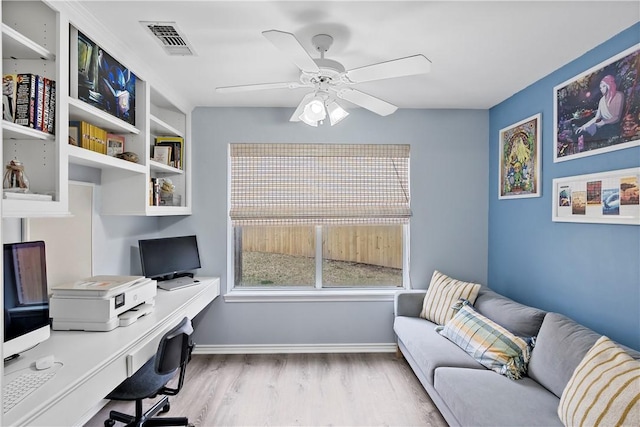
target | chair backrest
[{"x": 174, "y": 348}]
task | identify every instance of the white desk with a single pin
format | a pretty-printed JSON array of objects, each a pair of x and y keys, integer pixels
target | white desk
[{"x": 96, "y": 362}]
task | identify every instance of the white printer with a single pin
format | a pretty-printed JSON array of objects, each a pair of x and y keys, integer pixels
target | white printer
[{"x": 101, "y": 303}]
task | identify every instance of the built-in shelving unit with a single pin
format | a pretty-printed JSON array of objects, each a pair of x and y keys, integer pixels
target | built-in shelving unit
[
  {"x": 38, "y": 38},
  {"x": 165, "y": 119},
  {"x": 30, "y": 45}
]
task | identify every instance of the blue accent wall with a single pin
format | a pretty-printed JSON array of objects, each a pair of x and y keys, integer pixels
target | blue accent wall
[{"x": 589, "y": 272}]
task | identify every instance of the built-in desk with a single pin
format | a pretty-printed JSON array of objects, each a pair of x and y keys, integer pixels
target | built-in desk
[{"x": 94, "y": 363}]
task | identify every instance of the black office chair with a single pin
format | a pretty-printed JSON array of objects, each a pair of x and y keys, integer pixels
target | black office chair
[{"x": 174, "y": 352}]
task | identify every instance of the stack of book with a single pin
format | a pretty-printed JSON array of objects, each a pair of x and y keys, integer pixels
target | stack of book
[
  {"x": 29, "y": 100},
  {"x": 86, "y": 135},
  {"x": 176, "y": 144},
  {"x": 154, "y": 191}
]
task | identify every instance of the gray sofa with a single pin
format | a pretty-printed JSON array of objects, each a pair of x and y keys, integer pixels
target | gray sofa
[{"x": 468, "y": 394}]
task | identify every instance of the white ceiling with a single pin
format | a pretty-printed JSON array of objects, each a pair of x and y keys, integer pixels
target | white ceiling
[{"x": 481, "y": 52}]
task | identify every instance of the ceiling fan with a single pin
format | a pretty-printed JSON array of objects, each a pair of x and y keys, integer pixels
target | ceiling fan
[{"x": 329, "y": 79}]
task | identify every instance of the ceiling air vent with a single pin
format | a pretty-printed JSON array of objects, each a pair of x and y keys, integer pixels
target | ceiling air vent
[{"x": 169, "y": 37}]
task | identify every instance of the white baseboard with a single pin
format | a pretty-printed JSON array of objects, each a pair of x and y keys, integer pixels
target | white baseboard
[{"x": 295, "y": 348}]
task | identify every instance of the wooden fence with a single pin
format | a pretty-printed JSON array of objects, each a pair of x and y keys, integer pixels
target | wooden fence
[{"x": 375, "y": 245}]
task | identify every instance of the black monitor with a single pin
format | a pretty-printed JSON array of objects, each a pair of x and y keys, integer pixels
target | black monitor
[
  {"x": 26, "y": 299},
  {"x": 169, "y": 257}
]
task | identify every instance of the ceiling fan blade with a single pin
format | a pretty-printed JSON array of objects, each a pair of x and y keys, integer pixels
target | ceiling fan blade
[
  {"x": 260, "y": 86},
  {"x": 295, "y": 117},
  {"x": 367, "y": 101},
  {"x": 409, "y": 66},
  {"x": 290, "y": 46}
]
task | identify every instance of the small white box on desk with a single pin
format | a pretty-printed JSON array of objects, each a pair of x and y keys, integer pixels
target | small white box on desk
[{"x": 94, "y": 304}]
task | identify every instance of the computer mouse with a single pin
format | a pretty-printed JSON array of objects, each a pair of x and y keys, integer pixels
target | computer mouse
[{"x": 45, "y": 362}]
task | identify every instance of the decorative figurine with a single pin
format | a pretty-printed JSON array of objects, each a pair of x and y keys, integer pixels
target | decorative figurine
[{"x": 15, "y": 179}]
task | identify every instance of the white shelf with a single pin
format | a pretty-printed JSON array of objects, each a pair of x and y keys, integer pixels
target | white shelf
[
  {"x": 84, "y": 157},
  {"x": 168, "y": 210},
  {"x": 80, "y": 110},
  {"x": 161, "y": 168},
  {"x": 160, "y": 127},
  {"x": 14, "y": 131},
  {"x": 17, "y": 46},
  {"x": 32, "y": 208}
]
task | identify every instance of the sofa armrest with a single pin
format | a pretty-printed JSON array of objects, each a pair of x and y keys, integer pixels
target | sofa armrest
[{"x": 408, "y": 303}]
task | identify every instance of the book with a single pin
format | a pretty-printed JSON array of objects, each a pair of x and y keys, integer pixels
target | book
[
  {"x": 162, "y": 154},
  {"x": 74, "y": 133},
  {"x": 46, "y": 99},
  {"x": 97, "y": 285},
  {"x": 155, "y": 192},
  {"x": 91, "y": 145},
  {"x": 51, "y": 124},
  {"x": 81, "y": 136},
  {"x": 33, "y": 96},
  {"x": 9, "y": 83},
  {"x": 100, "y": 140},
  {"x": 90, "y": 136},
  {"x": 177, "y": 147},
  {"x": 35, "y": 102},
  {"x": 23, "y": 99}
]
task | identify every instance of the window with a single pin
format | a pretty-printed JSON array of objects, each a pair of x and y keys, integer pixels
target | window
[{"x": 312, "y": 216}]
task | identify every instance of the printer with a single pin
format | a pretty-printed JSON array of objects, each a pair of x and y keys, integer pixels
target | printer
[{"x": 101, "y": 303}]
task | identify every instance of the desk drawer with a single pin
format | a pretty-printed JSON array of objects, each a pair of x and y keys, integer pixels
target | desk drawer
[{"x": 143, "y": 352}]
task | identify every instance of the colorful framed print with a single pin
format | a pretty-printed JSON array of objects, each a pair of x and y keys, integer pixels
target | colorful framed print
[
  {"x": 599, "y": 110},
  {"x": 607, "y": 197},
  {"x": 103, "y": 82},
  {"x": 519, "y": 152}
]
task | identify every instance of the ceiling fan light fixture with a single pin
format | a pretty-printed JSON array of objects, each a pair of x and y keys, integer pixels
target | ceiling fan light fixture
[
  {"x": 306, "y": 120},
  {"x": 314, "y": 111},
  {"x": 336, "y": 112}
]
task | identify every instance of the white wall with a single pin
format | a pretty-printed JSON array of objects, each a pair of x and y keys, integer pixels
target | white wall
[
  {"x": 449, "y": 180},
  {"x": 115, "y": 238}
]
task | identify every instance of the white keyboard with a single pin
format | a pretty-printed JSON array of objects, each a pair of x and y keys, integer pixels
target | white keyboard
[
  {"x": 177, "y": 283},
  {"x": 22, "y": 385}
]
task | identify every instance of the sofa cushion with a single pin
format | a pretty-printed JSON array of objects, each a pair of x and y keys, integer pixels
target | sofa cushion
[
  {"x": 518, "y": 318},
  {"x": 604, "y": 389},
  {"x": 442, "y": 293},
  {"x": 428, "y": 348},
  {"x": 560, "y": 346},
  {"x": 487, "y": 342},
  {"x": 482, "y": 398}
]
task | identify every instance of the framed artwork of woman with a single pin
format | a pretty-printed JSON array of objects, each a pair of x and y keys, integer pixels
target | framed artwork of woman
[{"x": 599, "y": 110}]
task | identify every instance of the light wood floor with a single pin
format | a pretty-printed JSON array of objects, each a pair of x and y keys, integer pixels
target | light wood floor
[{"x": 376, "y": 389}]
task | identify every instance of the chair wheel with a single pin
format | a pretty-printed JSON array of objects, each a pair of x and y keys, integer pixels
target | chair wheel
[
  {"x": 166, "y": 407},
  {"x": 109, "y": 423}
]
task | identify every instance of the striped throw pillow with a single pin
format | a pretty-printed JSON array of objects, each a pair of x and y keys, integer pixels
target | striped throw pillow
[
  {"x": 604, "y": 389},
  {"x": 442, "y": 294},
  {"x": 489, "y": 343}
]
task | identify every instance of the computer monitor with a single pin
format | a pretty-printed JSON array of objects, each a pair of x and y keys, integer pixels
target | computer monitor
[
  {"x": 26, "y": 299},
  {"x": 169, "y": 257}
]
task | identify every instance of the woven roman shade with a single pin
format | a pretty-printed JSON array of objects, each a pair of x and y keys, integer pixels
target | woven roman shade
[{"x": 293, "y": 184}]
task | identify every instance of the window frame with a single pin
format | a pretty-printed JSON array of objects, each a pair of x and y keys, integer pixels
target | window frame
[{"x": 309, "y": 294}]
